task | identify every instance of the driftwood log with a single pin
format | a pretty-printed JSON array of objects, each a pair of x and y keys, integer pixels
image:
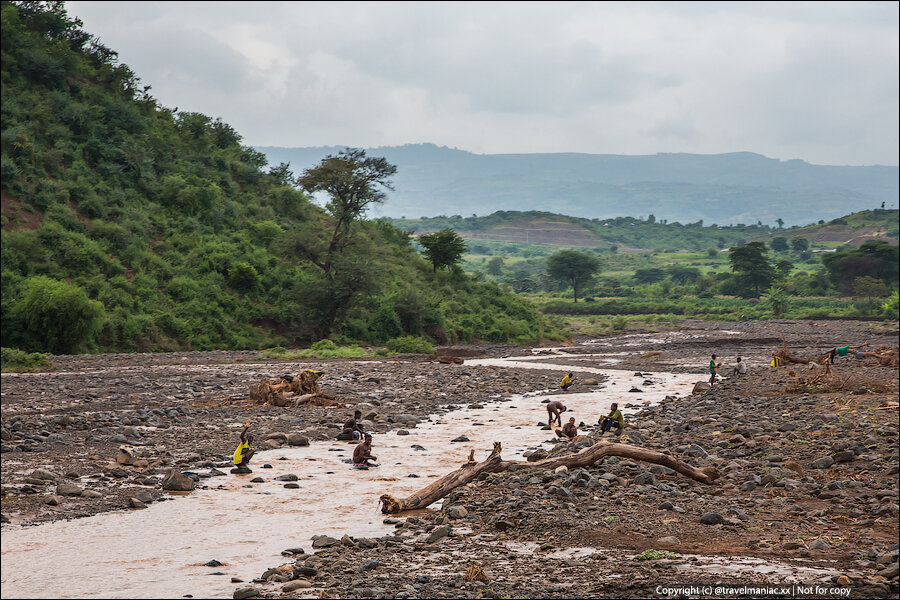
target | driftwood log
[{"x": 495, "y": 464}]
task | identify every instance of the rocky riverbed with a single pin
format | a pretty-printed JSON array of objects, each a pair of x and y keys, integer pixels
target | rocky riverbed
[{"x": 808, "y": 492}]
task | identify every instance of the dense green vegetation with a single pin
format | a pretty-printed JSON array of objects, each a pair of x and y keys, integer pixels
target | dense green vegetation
[
  {"x": 129, "y": 226},
  {"x": 13, "y": 359}
]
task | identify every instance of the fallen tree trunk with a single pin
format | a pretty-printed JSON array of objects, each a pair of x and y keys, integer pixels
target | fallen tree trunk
[{"x": 495, "y": 464}]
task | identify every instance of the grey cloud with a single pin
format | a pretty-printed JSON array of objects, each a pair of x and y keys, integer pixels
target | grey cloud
[{"x": 816, "y": 81}]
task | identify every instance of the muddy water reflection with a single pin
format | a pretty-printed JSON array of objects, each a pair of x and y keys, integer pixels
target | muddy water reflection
[{"x": 160, "y": 551}]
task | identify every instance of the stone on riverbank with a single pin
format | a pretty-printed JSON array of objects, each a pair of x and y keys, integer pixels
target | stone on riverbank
[{"x": 176, "y": 481}]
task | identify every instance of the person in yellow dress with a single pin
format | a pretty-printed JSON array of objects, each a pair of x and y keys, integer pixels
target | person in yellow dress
[{"x": 243, "y": 453}]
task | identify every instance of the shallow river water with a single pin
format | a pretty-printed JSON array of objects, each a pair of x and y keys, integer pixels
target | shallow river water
[{"x": 159, "y": 552}]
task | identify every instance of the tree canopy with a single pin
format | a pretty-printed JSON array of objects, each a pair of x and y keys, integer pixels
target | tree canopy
[
  {"x": 576, "y": 269},
  {"x": 753, "y": 267},
  {"x": 443, "y": 248},
  {"x": 875, "y": 258}
]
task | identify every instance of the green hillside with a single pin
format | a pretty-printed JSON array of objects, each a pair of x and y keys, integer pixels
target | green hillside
[
  {"x": 854, "y": 229},
  {"x": 626, "y": 233},
  {"x": 520, "y": 229},
  {"x": 129, "y": 226}
]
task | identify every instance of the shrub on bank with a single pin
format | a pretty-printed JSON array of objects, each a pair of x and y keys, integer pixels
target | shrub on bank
[
  {"x": 410, "y": 345},
  {"x": 19, "y": 361}
]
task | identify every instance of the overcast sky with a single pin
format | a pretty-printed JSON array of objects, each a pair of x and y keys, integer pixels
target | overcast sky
[{"x": 816, "y": 81}]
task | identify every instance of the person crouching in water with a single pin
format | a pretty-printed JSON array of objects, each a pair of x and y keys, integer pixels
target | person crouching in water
[
  {"x": 243, "y": 453},
  {"x": 362, "y": 454},
  {"x": 352, "y": 429},
  {"x": 567, "y": 381},
  {"x": 613, "y": 419},
  {"x": 569, "y": 431}
]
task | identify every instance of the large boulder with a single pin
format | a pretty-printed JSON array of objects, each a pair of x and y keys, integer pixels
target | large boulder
[
  {"x": 176, "y": 481},
  {"x": 68, "y": 489},
  {"x": 700, "y": 386},
  {"x": 297, "y": 439}
]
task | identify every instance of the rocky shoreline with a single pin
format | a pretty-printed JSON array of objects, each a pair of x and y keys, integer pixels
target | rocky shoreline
[{"x": 808, "y": 493}]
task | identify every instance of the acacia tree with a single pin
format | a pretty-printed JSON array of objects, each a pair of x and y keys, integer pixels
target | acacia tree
[
  {"x": 574, "y": 268},
  {"x": 443, "y": 248},
  {"x": 353, "y": 182},
  {"x": 752, "y": 266}
]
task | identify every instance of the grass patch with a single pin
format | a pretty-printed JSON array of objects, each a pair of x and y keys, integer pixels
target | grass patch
[
  {"x": 320, "y": 349},
  {"x": 656, "y": 555},
  {"x": 410, "y": 345}
]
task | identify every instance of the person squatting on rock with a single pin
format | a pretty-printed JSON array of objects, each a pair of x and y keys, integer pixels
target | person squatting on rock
[
  {"x": 554, "y": 410},
  {"x": 613, "y": 419},
  {"x": 244, "y": 453},
  {"x": 352, "y": 428},
  {"x": 362, "y": 454},
  {"x": 567, "y": 381},
  {"x": 740, "y": 367},
  {"x": 713, "y": 369},
  {"x": 569, "y": 431}
]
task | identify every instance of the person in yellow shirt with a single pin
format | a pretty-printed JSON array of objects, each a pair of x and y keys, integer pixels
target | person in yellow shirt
[
  {"x": 613, "y": 419},
  {"x": 567, "y": 381},
  {"x": 243, "y": 453}
]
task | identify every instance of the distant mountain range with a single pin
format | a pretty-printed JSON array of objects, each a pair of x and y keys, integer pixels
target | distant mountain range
[{"x": 739, "y": 187}]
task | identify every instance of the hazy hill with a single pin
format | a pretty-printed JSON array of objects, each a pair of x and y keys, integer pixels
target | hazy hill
[
  {"x": 739, "y": 187},
  {"x": 538, "y": 227}
]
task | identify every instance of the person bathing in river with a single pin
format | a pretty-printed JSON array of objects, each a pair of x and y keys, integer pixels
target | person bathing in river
[
  {"x": 569, "y": 431},
  {"x": 362, "y": 454},
  {"x": 243, "y": 453},
  {"x": 567, "y": 381},
  {"x": 554, "y": 410},
  {"x": 613, "y": 419},
  {"x": 352, "y": 428}
]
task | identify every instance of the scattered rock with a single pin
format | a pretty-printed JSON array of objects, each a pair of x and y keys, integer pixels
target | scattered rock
[
  {"x": 245, "y": 592},
  {"x": 177, "y": 481},
  {"x": 438, "y": 533},
  {"x": 712, "y": 518},
  {"x": 368, "y": 565},
  {"x": 297, "y": 584},
  {"x": 324, "y": 541},
  {"x": 68, "y": 489},
  {"x": 457, "y": 512},
  {"x": 700, "y": 386},
  {"x": 297, "y": 439},
  {"x": 670, "y": 539}
]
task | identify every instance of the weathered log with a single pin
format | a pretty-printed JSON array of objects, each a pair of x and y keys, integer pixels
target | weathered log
[
  {"x": 449, "y": 360},
  {"x": 495, "y": 464}
]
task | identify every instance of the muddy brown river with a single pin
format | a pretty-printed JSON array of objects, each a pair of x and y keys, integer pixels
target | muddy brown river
[{"x": 160, "y": 552}]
